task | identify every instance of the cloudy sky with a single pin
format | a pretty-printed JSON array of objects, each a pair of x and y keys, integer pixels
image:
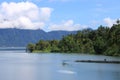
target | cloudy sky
[{"x": 51, "y": 15}]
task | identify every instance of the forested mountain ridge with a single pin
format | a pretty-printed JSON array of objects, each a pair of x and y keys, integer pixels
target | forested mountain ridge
[{"x": 11, "y": 37}]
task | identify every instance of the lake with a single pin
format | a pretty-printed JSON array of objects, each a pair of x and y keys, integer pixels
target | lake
[{"x": 19, "y": 65}]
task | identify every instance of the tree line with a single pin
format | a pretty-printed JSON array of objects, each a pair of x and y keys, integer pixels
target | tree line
[{"x": 102, "y": 41}]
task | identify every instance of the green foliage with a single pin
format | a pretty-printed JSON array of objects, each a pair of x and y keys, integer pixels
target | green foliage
[
  {"x": 113, "y": 43},
  {"x": 42, "y": 45},
  {"x": 103, "y": 41},
  {"x": 83, "y": 43},
  {"x": 31, "y": 47},
  {"x": 99, "y": 45},
  {"x": 54, "y": 45},
  {"x": 67, "y": 44},
  {"x": 113, "y": 50}
]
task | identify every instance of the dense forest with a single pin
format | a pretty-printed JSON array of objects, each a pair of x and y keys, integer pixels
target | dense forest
[{"x": 103, "y": 41}]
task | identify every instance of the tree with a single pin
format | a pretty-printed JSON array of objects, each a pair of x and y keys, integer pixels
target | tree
[
  {"x": 99, "y": 45},
  {"x": 54, "y": 45},
  {"x": 118, "y": 21},
  {"x": 31, "y": 47},
  {"x": 42, "y": 45},
  {"x": 67, "y": 44},
  {"x": 113, "y": 43},
  {"x": 101, "y": 41}
]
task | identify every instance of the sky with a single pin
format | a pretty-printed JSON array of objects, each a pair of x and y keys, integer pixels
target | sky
[{"x": 50, "y": 15}]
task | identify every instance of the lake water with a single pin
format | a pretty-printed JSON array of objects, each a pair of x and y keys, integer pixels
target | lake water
[{"x": 19, "y": 65}]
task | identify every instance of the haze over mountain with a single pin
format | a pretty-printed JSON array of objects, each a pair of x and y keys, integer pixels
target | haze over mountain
[{"x": 12, "y": 37}]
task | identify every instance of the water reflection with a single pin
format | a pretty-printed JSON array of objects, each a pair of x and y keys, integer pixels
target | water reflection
[{"x": 23, "y": 66}]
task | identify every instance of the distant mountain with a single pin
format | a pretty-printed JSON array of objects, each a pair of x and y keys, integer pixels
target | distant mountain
[{"x": 21, "y": 37}]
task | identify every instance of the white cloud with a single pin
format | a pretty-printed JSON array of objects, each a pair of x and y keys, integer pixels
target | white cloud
[
  {"x": 23, "y": 15},
  {"x": 109, "y": 22},
  {"x": 66, "y": 25},
  {"x": 45, "y": 13}
]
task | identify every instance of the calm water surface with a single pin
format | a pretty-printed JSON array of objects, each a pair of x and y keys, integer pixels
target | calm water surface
[{"x": 18, "y": 65}]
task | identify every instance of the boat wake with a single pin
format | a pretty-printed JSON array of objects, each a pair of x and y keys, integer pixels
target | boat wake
[{"x": 66, "y": 72}]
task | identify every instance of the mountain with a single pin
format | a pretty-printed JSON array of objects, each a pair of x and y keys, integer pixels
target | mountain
[{"x": 21, "y": 37}]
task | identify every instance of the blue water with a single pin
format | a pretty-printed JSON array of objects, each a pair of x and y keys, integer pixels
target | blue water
[{"x": 19, "y": 65}]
